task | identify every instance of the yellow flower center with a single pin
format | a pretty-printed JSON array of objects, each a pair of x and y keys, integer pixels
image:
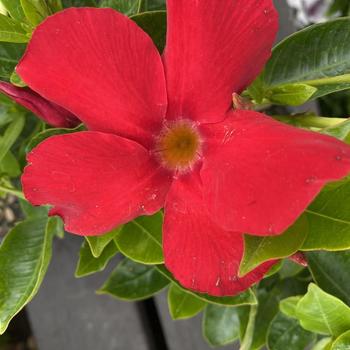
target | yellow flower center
[{"x": 179, "y": 145}]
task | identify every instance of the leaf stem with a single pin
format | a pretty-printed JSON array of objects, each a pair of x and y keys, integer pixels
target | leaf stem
[
  {"x": 12, "y": 191},
  {"x": 339, "y": 79},
  {"x": 312, "y": 121},
  {"x": 249, "y": 333}
]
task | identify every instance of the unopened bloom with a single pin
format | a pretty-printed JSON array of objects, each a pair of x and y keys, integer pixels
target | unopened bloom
[
  {"x": 163, "y": 134},
  {"x": 47, "y": 111}
]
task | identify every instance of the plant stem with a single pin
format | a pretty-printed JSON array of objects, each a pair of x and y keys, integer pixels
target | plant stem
[
  {"x": 12, "y": 191},
  {"x": 310, "y": 121},
  {"x": 249, "y": 333},
  {"x": 339, "y": 79}
]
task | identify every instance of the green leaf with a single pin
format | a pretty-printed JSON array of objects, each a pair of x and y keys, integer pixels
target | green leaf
[
  {"x": 55, "y": 227},
  {"x": 289, "y": 269},
  {"x": 10, "y": 54},
  {"x": 16, "y": 80},
  {"x": 10, "y": 136},
  {"x": 35, "y": 10},
  {"x": 79, "y": 3},
  {"x": 323, "y": 344},
  {"x": 154, "y": 24},
  {"x": 12, "y": 31},
  {"x": 322, "y": 313},
  {"x": 152, "y": 5},
  {"x": 267, "y": 310},
  {"x": 289, "y": 306},
  {"x": 42, "y": 136},
  {"x": 245, "y": 298},
  {"x": 318, "y": 56},
  {"x": 343, "y": 342},
  {"x": 221, "y": 325},
  {"x": 14, "y": 8},
  {"x": 341, "y": 131},
  {"x": 99, "y": 243},
  {"x": 88, "y": 264},
  {"x": 286, "y": 333},
  {"x": 9, "y": 165},
  {"x": 182, "y": 304},
  {"x": 132, "y": 281},
  {"x": 331, "y": 272},
  {"x": 291, "y": 94},
  {"x": 32, "y": 212},
  {"x": 329, "y": 222},
  {"x": 24, "y": 257},
  {"x": 54, "y": 5},
  {"x": 260, "y": 249},
  {"x": 128, "y": 7},
  {"x": 141, "y": 239}
]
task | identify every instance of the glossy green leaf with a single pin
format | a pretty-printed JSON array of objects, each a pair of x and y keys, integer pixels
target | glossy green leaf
[
  {"x": 88, "y": 264},
  {"x": 154, "y": 24},
  {"x": 291, "y": 94},
  {"x": 322, "y": 313},
  {"x": 55, "y": 227},
  {"x": 286, "y": 333},
  {"x": 128, "y": 7},
  {"x": 24, "y": 257},
  {"x": 267, "y": 310},
  {"x": 99, "y": 243},
  {"x": 329, "y": 222},
  {"x": 289, "y": 269},
  {"x": 260, "y": 249},
  {"x": 9, "y": 165},
  {"x": 341, "y": 131},
  {"x": 9, "y": 56},
  {"x": 289, "y": 306},
  {"x": 331, "y": 272},
  {"x": 16, "y": 80},
  {"x": 152, "y": 5},
  {"x": 141, "y": 239},
  {"x": 245, "y": 298},
  {"x": 182, "y": 304},
  {"x": 11, "y": 134},
  {"x": 323, "y": 344},
  {"x": 12, "y": 31},
  {"x": 54, "y": 5},
  {"x": 35, "y": 10},
  {"x": 221, "y": 325},
  {"x": 342, "y": 342},
  {"x": 42, "y": 136},
  {"x": 32, "y": 212},
  {"x": 132, "y": 281},
  {"x": 318, "y": 56},
  {"x": 78, "y": 3},
  {"x": 14, "y": 8}
]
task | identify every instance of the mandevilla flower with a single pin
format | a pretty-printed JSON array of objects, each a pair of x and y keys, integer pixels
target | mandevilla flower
[
  {"x": 47, "y": 111},
  {"x": 163, "y": 134}
]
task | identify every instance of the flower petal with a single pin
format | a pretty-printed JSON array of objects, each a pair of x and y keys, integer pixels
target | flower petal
[
  {"x": 259, "y": 175},
  {"x": 48, "y": 111},
  {"x": 200, "y": 254},
  {"x": 214, "y": 48},
  {"x": 95, "y": 181},
  {"x": 102, "y": 67}
]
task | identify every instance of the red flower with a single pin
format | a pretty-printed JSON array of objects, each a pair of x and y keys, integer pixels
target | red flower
[
  {"x": 48, "y": 111},
  {"x": 163, "y": 134}
]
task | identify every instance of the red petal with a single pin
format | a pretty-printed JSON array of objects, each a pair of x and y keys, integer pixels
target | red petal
[
  {"x": 102, "y": 67},
  {"x": 200, "y": 254},
  {"x": 48, "y": 111},
  {"x": 95, "y": 181},
  {"x": 215, "y": 48},
  {"x": 259, "y": 175}
]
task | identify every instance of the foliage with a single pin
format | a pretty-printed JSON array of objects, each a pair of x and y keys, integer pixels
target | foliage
[{"x": 293, "y": 307}]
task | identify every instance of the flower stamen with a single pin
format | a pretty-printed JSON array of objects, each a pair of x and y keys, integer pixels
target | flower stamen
[{"x": 178, "y": 145}]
